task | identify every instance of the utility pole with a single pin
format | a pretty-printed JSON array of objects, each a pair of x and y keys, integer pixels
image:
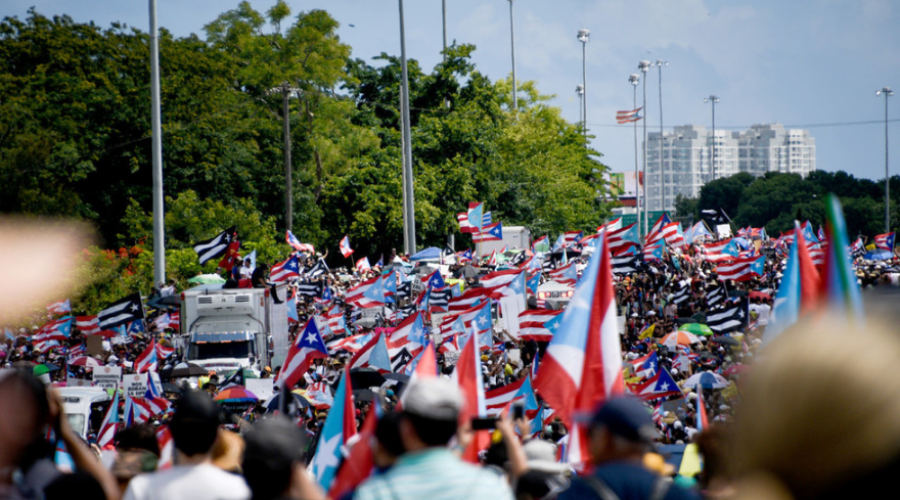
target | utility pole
[
  {"x": 444, "y": 18},
  {"x": 712, "y": 145},
  {"x": 512, "y": 38},
  {"x": 288, "y": 174},
  {"x": 584, "y": 36},
  {"x": 407, "y": 142},
  {"x": 644, "y": 66},
  {"x": 662, "y": 140},
  {"x": 887, "y": 176},
  {"x": 159, "y": 230}
]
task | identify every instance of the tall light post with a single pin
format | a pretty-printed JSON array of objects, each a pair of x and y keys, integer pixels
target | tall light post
[
  {"x": 579, "y": 90},
  {"x": 512, "y": 38},
  {"x": 644, "y": 66},
  {"x": 159, "y": 230},
  {"x": 634, "y": 79},
  {"x": 410, "y": 215},
  {"x": 584, "y": 36},
  {"x": 444, "y": 22},
  {"x": 712, "y": 145},
  {"x": 887, "y": 91},
  {"x": 662, "y": 140}
]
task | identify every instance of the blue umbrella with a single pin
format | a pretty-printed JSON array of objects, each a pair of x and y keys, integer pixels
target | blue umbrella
[
  {"x": 878, "y": 255},
  {"x": 706, "y": 380}
]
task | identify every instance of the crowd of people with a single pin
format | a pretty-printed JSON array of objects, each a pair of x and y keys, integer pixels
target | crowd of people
[{"x": 640, "y": 444}]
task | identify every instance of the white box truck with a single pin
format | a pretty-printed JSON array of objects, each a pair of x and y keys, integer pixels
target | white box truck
[
  {"x": 514, "y": 237},
  {"x": 227, "y": 330}
]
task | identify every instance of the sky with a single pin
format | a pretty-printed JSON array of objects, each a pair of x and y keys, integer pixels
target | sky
[{"x": 812, "y": 64}]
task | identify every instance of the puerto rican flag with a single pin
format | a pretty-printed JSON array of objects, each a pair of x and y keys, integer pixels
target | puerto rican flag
[
  {"x": 541, "y": 244},
  {"x": 885, "y": 242},
  {"x": 346, "y": 251},
  {"x": 497, "y": 399},
  {"x": 335, "y": 318},
  {"x": 300, "y": 247},
  {"x": 470, "y": 298},
  {"x": 166, "y": 448},
  {"x": 583, "y": 363},
  {"x": 658, "y": 386},
  {"x": 468, "y": 375},
  {"x": 610, "y": 226},
  {"x": 566, "y": 275},
  {"x": 362, "y": 265},
  {"x": 147, "y": 360},
  {"x": 449, "y": 344},
  {"x": 58, "y": 330},
  {"x": 628, "y": 116},
  {"x": 163, "y": 352},
  {"x": 61, "y": 307},
  {"x": 306, "y": 347},
  {"x": 499, "y": 279},
  {"x": 493, "y": 232},
  {"x": 351, "y": 344},
  {"x": 571, "y": 238},
  {"x": 539, "y": 324},
  {"x": 410, "y": 333},
  {"x": 110, "y": 423},
  {"x": 369, "y": 293},
  {"x": 286, "y": 270},
  {"x": 478, "y": 317},
  {"x": 88, "y": 325},
  {"x": 721, "y": 251},
  {"x": 742, "y": 269},
  {"x": 622, "y": 238}
]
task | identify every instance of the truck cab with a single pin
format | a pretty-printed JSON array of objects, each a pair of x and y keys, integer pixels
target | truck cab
[{"x": 84, "y": 408}]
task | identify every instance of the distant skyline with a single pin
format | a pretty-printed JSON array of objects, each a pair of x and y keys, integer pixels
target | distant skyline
[{"x": 812, "y": 64}]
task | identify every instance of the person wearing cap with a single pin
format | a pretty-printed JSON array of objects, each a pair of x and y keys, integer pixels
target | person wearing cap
[
  {"x": 274, "y": 463},
  {"x": 621, "y": 432},
  {"x": 195, "y": 428},
  {"x": 429, "y": 469}
]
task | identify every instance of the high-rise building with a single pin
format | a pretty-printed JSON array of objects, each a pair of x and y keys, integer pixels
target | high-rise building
[{"x": 686, "y": 153}]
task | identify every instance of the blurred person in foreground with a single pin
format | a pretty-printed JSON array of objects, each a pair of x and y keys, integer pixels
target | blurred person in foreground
[
  {"x": 428, "y": 469},
  {"x": 819, "y": 420},
  {"x": 621, "y": 433},
  {"x": 274, "y": 463},
  {"x": 195, "y": 428}
]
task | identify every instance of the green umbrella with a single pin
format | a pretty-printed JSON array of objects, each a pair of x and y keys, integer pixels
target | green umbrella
[
  {"x": 45, "y": 368},
  {"x": 696, "y": 329},
  {"x": 207, "y": 279}
]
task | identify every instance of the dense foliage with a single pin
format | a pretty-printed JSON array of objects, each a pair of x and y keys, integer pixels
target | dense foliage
[
  {"x": 75, "y": 141},
  {"x": 775, "y": 200}
]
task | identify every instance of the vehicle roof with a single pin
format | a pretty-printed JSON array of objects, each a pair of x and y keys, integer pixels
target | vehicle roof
[
  {"x": 92, "y": 393},
  {"x": 553, "y": 285}
]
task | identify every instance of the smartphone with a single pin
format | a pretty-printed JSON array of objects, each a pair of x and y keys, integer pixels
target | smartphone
[
  {"x": 518, "y": 412},
  {"x": 484, "y": 424}
]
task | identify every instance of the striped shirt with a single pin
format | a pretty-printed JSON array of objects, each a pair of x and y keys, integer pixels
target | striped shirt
[{"x": 434, "y": 474}]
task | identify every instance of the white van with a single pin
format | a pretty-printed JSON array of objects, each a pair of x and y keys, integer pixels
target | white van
[{"x": 85, "y": 408}]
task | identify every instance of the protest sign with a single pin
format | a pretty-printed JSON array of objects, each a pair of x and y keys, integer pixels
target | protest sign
[
  {"x": 261, "y": 387},
  {"x": 107, "y": 377},
  {"x": 134, "y": 386}
]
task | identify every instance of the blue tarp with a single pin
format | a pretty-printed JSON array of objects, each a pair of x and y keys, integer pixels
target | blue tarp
[
  {"x": 431, "y": 253},
  {"x": 878, "y": 255}
]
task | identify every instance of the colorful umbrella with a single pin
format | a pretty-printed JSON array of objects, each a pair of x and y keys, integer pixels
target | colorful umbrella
[
  {"x": 45, "y": 368},
  {"x": 696, "y": 329},
  {"x": 678, "y": 338},
  {"x": 84, "y": 361},
  {"x": 207, "y": 279},
  {"x": 236, "y": 394},
  {"x": 706, "y": 380}
]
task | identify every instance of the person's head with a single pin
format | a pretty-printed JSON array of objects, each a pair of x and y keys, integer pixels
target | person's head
[
  {"x": 430, "y": 414},
  {"x": 621, "y": 429},
  {"x": 195, "y": 425},
  {"x": 24, "y": 412},
  {"x": 273, "y": 458},
  {"x": 137, "y": 437},
  {"x": 387, "y": 446}
]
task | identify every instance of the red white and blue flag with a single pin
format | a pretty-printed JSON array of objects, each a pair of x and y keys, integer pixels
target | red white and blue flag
[
  {"x": 493, "y": 232},
  {"x": 369, "y": 293},
  {"x": 346, "y": 251},
  {"x": 539, "y": 324},
  {"x": 583, "y": 363},
  {"x": 166, "y": 448},
  {"x": 742, "y": 269},
  {"x": 571, "y": 238},
  {"x": 147, "y": 360},
  {"x": 286, "y": 270},
  {"x": 305, "y": 348},
  {"x": 300, "y": 247},
  {"x": 628, "y": 116},
  {"x": 362, "y": 265},
  {"x": 658, "y": 386},
  {"x": 110, "y": 423},
  {"x": 885, "y": 241},
  {"x": 61, "y": 307},
  {"x": 566, "y": 275}
]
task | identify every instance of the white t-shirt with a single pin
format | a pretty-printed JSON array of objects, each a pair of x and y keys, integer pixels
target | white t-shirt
[
  {"x": 192, "y": 482},
  {"x": 763, "y": 311}
]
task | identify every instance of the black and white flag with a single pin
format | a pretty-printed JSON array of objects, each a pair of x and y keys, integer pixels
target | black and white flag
[
  {"x": 404, "y": 290},
  {"x": 440, "y": 298},
  {"x": 725, "y": 320},
  {"x": 683, "y": 294},
  {"x": 319, "y": 269},
  {"x": 310, "y": 289},
  {"x": 216, "y": 246},
  {"x": 625, "y": 264},
  {"x": 715, "y": 297},
  {"x": 120, "y": 312}
]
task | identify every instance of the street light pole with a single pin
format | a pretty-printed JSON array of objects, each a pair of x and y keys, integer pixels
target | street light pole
[
  {"x": 634, "y": 79},
  {"x": 410, "y": 215},
  {"x": 159, "y": 229},
  {"x": 512, "y": 38},
  {"x": 662, "y": 141},
  {"x": 579, "y": 89},
  {"x": 644, "y": 66},
  {"x": 712, "y": 146},
  {"x": 444, "y": 19},
  {"x": 584, "y": 36},
  {"x": 887, "y": 91}
]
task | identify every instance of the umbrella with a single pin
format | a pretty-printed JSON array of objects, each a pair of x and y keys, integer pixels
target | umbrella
[
  {"x": 207, "y": 279},
  {"x": 700, "y": 317},
  {"x": 760, "y": 295},
  {"x": 399, "y": 377},
  {"x": 365, "y": 395},
  {"x": 366, "y": 377},
  {"x": 466, "y": 272},
  {"x": 684, "y": 321},
  {"x": 706, "y": 380},
  {"x": 247, "y": 374},
  {"x": 737, "y": 293},
  {"x": 696, "y": 329},
  {"x": 424, "y": 270},
  {"x": 236, "y": 395},
  {"x": 878, "y": 255},
  {"x": 679, "y": 338},
  {"x": 45, "y": 368},
  {"x": 171, "y": 388},
  {"x": 722, "y": 339},
  {"x": 84, "y": 361},
  {"x": 295, "y": 400},
  {"x": 430, "y": 253},
  {"x": 182, "y": 370}
]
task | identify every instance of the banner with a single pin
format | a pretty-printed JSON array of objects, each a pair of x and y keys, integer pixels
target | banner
[{"x": 107, "y": 377}]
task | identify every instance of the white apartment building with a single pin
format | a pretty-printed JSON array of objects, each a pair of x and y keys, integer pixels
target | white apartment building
[{"x": 686, "y": 153}]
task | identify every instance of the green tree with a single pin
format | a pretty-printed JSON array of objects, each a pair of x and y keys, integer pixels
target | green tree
[{"x": 725, "y": 193}]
